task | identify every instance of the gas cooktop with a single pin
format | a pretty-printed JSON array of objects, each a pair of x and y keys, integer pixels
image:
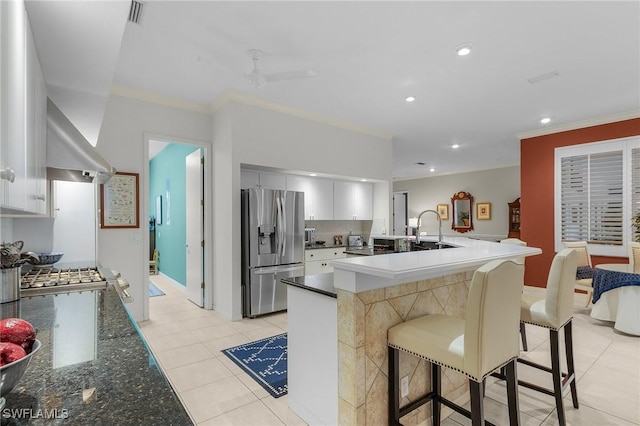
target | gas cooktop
[{"x": 39, "y": 281}]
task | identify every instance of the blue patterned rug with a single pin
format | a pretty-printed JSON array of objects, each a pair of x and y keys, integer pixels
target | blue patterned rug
[
  {"x": 265, "y": 361},
  {"x": 154, "y": 291}
]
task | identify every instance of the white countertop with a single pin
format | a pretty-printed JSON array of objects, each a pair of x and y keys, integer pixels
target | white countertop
[{"x": 365, "y": 273}]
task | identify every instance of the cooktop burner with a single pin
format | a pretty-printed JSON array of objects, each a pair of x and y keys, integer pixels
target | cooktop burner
[{"x": 54, "y": 280}]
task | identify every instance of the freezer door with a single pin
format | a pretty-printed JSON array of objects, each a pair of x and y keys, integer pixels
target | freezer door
[
  {"x": 261, "y": 213},
  {"x": 265, "y": 293},
  {"x": 290, "y": 227}
]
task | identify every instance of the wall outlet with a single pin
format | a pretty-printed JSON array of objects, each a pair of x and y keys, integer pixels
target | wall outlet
[{"x": 404, "y": 386}]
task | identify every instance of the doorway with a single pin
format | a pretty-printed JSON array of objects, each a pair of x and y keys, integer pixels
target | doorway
[
  {"x": 177, "y": 199},
  {"x": 400, "y": 213}
]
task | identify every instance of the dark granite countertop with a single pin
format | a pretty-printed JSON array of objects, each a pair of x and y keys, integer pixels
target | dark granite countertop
[
  {"x": 319, "y": 283},
  {"x": 366, "y": 251},
  {"x": 93, "y": 367}
]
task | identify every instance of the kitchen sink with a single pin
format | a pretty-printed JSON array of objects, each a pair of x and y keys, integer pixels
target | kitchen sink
[{"x": 430, "y": 245}]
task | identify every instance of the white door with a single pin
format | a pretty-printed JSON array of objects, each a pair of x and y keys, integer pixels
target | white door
[
  {"x": 195, "y": 218},
  {"x": 400, "y": 217}
]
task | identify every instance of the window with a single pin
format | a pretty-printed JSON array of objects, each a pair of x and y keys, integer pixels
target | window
[{"x": 597, "y": 192}]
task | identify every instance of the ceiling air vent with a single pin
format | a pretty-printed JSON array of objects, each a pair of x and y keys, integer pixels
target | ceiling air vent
[
  {"x": 543, "y": 77},
  {"x": 135, "y": 13},
  {"x": 420, "y": 163}
]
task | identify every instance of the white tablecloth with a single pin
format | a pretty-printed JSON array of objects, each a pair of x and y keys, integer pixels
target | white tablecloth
[{"x": 620, "y": 305}]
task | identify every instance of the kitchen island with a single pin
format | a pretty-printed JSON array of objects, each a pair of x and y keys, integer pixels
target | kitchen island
[
  {"x": 93, "y": 367},
  {"x": 375, "y": 293}
]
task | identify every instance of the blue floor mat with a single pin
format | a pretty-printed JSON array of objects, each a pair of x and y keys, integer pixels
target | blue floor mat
[{"x": 154, "y": 291}]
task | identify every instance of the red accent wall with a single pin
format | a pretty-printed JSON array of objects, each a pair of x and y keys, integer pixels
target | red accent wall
[{"x": 537, "y": 198}]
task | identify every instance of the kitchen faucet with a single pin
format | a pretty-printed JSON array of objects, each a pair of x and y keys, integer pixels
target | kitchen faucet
[{"x": 439, "y": 226}]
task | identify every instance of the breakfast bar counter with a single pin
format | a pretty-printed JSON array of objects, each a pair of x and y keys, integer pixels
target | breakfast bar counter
[
  {"x": 93, "y": 366},
  {"x": 378, "y": 292}
]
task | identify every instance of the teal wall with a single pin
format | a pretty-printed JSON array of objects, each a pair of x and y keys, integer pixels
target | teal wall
[{"x": 167, "y": 171}]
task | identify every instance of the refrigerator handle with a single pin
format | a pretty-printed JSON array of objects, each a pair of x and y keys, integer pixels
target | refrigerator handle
[
  {"x": 279, "y": 225},
  {"x": 285, "y": 231}
]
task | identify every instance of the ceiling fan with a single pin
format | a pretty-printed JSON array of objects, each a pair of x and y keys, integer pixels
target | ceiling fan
[{"x": 258, "y": 80}]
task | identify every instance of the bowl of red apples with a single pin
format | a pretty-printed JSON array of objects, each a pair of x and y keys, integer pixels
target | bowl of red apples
[{"x": 18, "y": 344}]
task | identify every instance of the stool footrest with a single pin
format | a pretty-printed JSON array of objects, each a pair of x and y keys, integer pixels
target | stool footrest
[{"x": 417, "y": 403}]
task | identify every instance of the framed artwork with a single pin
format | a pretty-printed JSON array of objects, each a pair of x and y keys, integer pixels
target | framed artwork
[
  {"x": 159, "y": 210},
  {"x": 483, "y": 211},
  {"x": 119, "y": 204},
  {"x": 443, "y": 211}
]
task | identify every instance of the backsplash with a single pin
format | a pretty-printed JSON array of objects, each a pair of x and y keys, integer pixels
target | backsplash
[{"x": 327, "y": 229}]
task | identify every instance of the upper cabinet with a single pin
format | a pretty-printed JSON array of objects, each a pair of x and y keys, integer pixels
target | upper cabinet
[
  {"x": 23, "y": 116},
  {"x": 352, "y": 200},
  {"x": 254, "y": 179},
  {"x": 318, "y": 196}
]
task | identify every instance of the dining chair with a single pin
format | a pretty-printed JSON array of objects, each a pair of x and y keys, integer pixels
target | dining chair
[
  {"x": 485, "y": 340},
  {"x": 584, "y": 278},
  {"x": 634, "y": 256},
  {"x": 153, "y": 263},
  {"x": 555, "y": 312}
]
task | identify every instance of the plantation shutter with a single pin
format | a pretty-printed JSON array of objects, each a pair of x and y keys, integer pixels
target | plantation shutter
[
  {"x": 574, "y": 198},
  {"x": 605, "y": 192},
  {"x": 591, "y": 197},
  {"x": 635, "y": 182}
]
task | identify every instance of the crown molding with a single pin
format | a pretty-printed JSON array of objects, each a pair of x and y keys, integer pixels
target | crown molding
[
  {"x": 155, "y": 98},
  {"x": 246, "y": 99},
  {"x": 579, "y": 124}
]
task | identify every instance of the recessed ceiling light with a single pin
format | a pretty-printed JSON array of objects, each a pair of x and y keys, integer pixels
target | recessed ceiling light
[
  {"x": 363, "y": 180},
  {"x": 545, "y": 120},
  {"x": 463, "y": 49},
  {"x": 410, "y": 98},
  {"x": 432, "y": 169},
  {"x": 455, "y": 146},
  {"x": 313, "y": 174}
]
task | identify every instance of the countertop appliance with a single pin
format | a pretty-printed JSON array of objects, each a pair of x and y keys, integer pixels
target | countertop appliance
[
  {"x": 355, "y": 241},
  {"x": 272, "y": 247},
  {"x": 309, "y": 236}
]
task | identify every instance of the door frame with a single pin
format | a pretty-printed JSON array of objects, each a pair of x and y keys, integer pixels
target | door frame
[
  {"x": 406, "y": 211},
  {"x": 208, "y": 212}
]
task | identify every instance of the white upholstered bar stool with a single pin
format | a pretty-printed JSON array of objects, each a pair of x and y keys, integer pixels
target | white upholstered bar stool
[
  {"x": 519, "y": 242},
  {"x": 634, "y": 256},
  {"x": 555, "y": 312},
  {"x": 486, "y": 340},
  {"x": 584, "y": 259}
]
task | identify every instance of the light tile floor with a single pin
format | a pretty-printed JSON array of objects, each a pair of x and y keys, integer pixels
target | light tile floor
[{"x": 187, "y": 342}]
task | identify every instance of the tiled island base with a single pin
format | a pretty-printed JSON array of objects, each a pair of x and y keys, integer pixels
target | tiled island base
[{"x": 364, "y": 319}]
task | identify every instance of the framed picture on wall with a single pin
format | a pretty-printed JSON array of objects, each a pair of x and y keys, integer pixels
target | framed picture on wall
[
  {"x": 119, "y": 204},
  {"x": 443, "y": 211},
  {"x": 483, "y": 211},
  {"x": 159, "y": 210}
]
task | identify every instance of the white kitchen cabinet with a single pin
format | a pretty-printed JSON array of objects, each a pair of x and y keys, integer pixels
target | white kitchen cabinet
[
  {"x": 265, "y": 180},
  {"x": 317, "y": 260},
  {"x": 249, "y": 179},
  {"x": 36, "y": 131},
  {"x": 13, "y": 91},
  {"x": 352, "y": 200},
  {"x": 24, "y": 115},
  {"x": 318, "y": 196}
]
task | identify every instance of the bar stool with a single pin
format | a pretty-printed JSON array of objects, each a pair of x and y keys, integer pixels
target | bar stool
[
  {"x": 486, "y": 340},
  {"x": 518, "y": 242},
  {"x": 555, "y": 312}
]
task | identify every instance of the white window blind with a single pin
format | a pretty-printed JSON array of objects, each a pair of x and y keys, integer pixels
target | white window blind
[
  {"x": 591, "y": 198},
  {"x": 635, "y": 181},
  {"x": 597, "y": 194}
]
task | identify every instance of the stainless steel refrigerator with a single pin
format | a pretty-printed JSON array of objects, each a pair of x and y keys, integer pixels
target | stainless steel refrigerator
[{"x": 272, "y": 247}]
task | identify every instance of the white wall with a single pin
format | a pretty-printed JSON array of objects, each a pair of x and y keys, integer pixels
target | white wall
[
  {"x": 122, "y": 142},
  {"x": 245, "y": 134},
  {"x": 496, "y": 186}
]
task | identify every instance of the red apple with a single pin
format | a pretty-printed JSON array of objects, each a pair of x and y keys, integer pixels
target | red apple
[
  {"x": 10, "y": 352},
  {"x": 18, "y": 331}
]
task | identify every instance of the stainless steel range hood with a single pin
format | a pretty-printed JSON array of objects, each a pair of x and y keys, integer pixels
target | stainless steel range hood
[{"x": 70, "y": 156}]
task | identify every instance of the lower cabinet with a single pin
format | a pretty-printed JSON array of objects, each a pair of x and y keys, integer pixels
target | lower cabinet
[{"x": 316, "y": 261}]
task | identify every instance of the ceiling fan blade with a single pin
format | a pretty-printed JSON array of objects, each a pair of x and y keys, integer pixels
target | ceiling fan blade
[{"x": 290, "y": 75}]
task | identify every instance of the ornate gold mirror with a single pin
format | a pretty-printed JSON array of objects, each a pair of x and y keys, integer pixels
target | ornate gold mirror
[{"x": 462, "y": 205}]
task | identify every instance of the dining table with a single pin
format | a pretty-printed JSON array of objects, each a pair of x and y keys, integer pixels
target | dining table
[{"x": 616, "y": 296}]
